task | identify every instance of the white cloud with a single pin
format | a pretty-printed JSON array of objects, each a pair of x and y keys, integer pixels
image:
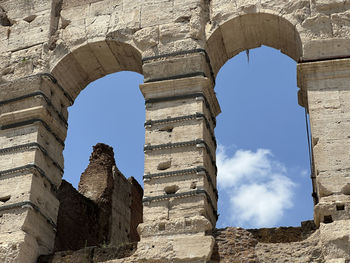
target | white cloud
[{"x": 257, "y": 187}]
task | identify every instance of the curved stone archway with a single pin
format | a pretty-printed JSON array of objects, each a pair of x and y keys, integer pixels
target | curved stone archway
[
  {"x": 91, "y": 61},
  {"x": 50, "y": 50},
  {"x": 249, "y": 31}
]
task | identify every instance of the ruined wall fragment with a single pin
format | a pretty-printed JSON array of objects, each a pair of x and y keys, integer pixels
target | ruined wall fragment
[
  {"x": 106, "y": 212},
  {"x": 96, "y": 183}
]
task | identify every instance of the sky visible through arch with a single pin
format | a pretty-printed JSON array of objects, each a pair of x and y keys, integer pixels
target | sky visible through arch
[{"x": 262, "y": 157}]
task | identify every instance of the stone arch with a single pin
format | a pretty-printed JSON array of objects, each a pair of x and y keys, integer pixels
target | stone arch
[
  {"x": 86, "y": 63},
  {"x": 248, "y": 31},
  {"x": 39, "y": 126},
  {"x": 74, "y": 71}
]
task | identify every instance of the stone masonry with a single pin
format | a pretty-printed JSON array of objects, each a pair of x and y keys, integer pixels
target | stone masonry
[
  {"x": 104, "y": 212},
  {"x": 100, "y": 218},
  {"x": 50, "y": 50}
]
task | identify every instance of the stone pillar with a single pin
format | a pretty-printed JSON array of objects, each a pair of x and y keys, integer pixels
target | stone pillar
[
  {"x": 33, "y": 119},
  {"x": 325, "y": 87},
  {"x": 180, "y": 196}
]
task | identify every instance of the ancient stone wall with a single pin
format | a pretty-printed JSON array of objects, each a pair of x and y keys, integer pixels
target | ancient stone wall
[
  {"x": 50, "y": 51},
  {"x": 136, "y": 208},
  {"x": 77, "y": 220},
  {"x": 104, "y": 212},
  {"x": 288, "y": 244}
]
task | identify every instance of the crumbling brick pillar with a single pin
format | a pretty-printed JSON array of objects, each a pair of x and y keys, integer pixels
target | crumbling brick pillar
[
  {"x": 33, "y": 121},
  {"x": 325, "y": 91},
  {"x": 180, "y": 196}
]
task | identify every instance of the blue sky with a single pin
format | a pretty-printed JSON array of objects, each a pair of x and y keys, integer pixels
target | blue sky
[{"x": 264, "y": 178}]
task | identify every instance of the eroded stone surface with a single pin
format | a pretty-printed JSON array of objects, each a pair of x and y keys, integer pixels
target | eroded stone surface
[
  {"x": 293, "y": 244},
  {"x": 105, "y": 211}
]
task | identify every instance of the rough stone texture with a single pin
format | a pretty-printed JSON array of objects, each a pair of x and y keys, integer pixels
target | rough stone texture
[
  {"x": 77, "y": 221},
  {"x": 50, "y": 51},
  {"x": 292, "y": 244},
  {"x": 90, "y": 254},
  {"x": 96, "y": 183},
  {"x": 136, "y": 215},
  {"x": 106, "y": 211}
]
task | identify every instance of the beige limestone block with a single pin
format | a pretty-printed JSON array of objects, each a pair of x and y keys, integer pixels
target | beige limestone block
[
  {"x": 173, "y": 31},
  {"x": 43, "y": 196},
  {"x": 37, "y": 226},
  {"x": 74, "y": 34},
  {"x": 176, "y": 66},
  {"x": 97, "y": 26},
  {"x": 40, "y": 112},
  {"x": 155, "y": 211},
  {"x": 174, "y": 184},
  {"x": 24, "y": 34},
  {"x": 105, "y": 7},
  {"x": 172, "y": 133},
  {"x": 105, "y": 57},
  {"x": 329, "y": 7},
  {"x": 11, "y": 221},
  {"x": 20, "y": 9},
  {"x": 18, "y": 136},
  {"x": 189, "y": 207},
  {"x": 13, "y": 191},
  {"x": 197, "y": 249},
  {"x": 341, "y": 24},
  {"x": 146, "y": 38},
  {"x": 233, "y": 37},
  {"x": 191, "y": 225},
  {"x": 335, "y": 238},
  {"x": 89, "y": 62},
  {"x": 194, "y": 158},
  {"x": 178, "y": 108},
  {"x": 12, "y": 160},
  {"x": 325, "y": 48},
  {"x": 150, "y": 15},
  {"x": 178, "y": 45},
  {"x": 180, "y": 184},
  {"x": 216, "y": 50},
  {"x": 331, "y": 155},
  {"x": 318, "y": 26},
  {"x": 51, "y": 170},
  {"x": 29, "y": 61},
  {"x": 332, "y": 182},
  {"x": 193, "y": 248},
  {"x": 19, "y": 88},
  {"x": 18, "y": 247},
  {"x": 70, "y": 75}
]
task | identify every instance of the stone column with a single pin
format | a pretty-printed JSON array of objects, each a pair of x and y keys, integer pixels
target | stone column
[
  {"x": 33, "y": 119},
  {"x": 180, "y": 196},
  {"x": 325, "y": 86}
]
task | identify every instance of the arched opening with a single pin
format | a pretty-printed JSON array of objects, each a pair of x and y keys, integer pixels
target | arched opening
[
  {"x": 108, "y": 110},
  {"x": 106, "y": 208},
  {"x": 263, "y": 162},
  {"x": 262, "y": 158}
]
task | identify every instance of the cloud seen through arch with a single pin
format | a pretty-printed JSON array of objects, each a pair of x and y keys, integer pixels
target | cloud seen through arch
[{"x": 256, "y": 186}]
